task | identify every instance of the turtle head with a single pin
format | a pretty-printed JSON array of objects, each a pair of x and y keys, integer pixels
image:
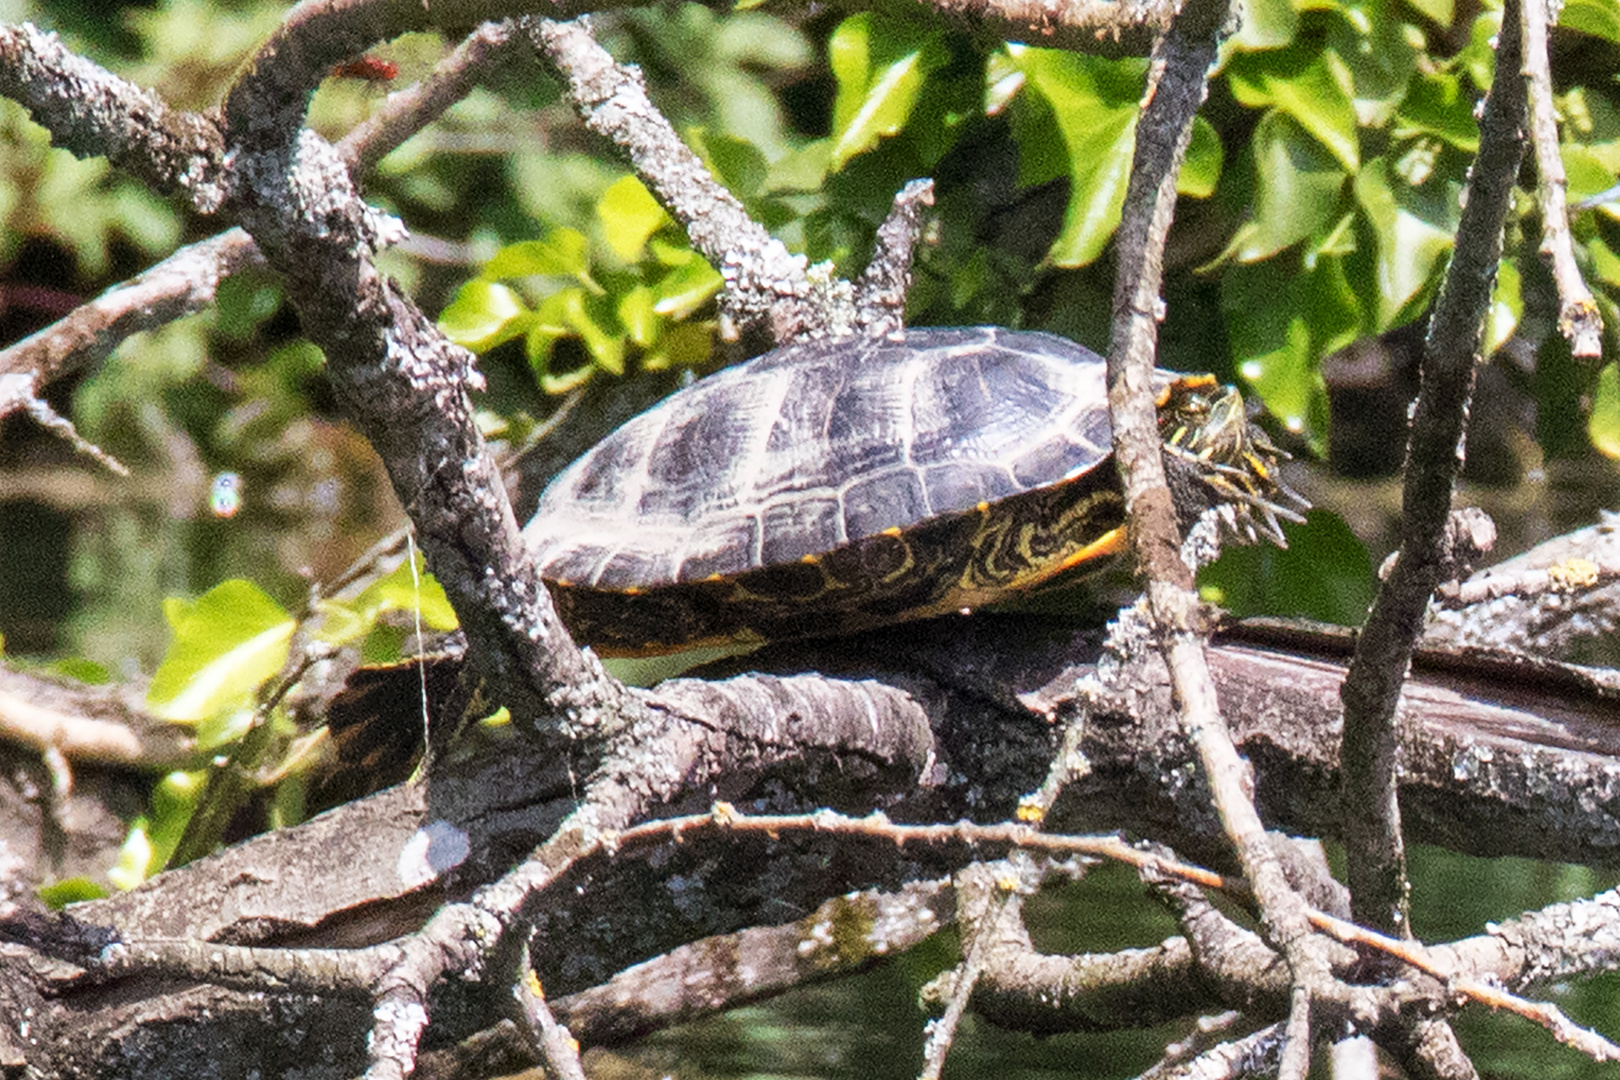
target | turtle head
[{"x": 1205, "y": 427}]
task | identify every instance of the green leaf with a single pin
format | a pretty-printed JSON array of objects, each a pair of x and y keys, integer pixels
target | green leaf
[
  {"x": 564, "y": 251},
  {"x": 409, "y": 589},
  {"x": 629, "y": 215},
  {"x": 1507, "y": 306},
  {"x": 1605, "y": 261},
  {"x": 1202, "y": 169},
  {"x": 571, "y": 313},
  {"x": 1440, "y": 11},
  {"x": 151, "y": 840},
  {"x": 1267, "y": 24},
  {"x": 686, "y": 288},
  {"x": 1603, "y": 425},
  {"x": 80, "y": 670},
  {"x": 1298, "y": 189},
  {"x": 637, "y": 315},
  {"x": 1411, "y": 251},
  {"x": 227, "y": 643},
  {"x": 1301, "y": 83},
  {"x": 682, "y": 345},
  {"x": 1376, "y": 47},
  {"x": 880, "y": 65},
  {"x": 401, "y": 590},
  {"x": 1282, "y": 319},
  {"x": 1585, "y": 171},
  {"x": 1600, "y": 18},
  {"x": 483, "y": 315},
  {"x": 1324, "y": 574},
  {"x": 1094, "y": 104},
  {"x": 1436, "y": 105},
  {"x": 60, "y": 894},
  {"x": 735, "y": 162}
]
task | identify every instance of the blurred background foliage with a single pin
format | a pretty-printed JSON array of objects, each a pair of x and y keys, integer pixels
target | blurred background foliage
[{"x": 1319, "y": 198}]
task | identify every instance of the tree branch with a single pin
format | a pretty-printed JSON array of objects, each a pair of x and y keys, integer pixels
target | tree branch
[
  {"x": 1578, "y": 317},
  {"x": 1375, "y": 849}
]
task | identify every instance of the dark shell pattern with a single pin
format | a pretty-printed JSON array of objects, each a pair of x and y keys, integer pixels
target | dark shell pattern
[{"x": 820, "y": 444}]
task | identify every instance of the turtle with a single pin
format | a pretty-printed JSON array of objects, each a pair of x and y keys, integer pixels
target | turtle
[{"x": 831, "y": 486}]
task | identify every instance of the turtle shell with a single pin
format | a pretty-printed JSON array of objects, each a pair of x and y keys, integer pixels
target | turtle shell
[{"x": 833, "y": 485}]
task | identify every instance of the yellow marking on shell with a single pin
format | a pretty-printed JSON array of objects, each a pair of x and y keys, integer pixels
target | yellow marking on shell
[
  {"x": 632, "y": 590},
  {"x": 716, "y": 576},
  {"x": 984, "y": 507},
  {"x": 892, "y": 530},
  {"x": 563, "y": 583},
  {"x": 809, "y": 560}
]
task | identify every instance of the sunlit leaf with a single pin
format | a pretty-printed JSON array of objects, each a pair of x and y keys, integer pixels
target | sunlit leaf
[
  {"x": 1604, "y": 422},
  {"x": 1094, "y": 104},
  {"x": 1202, "y": 169},
  {"x": 1507, "y": 306},
  {"x": 1600, "y": 18},
  {"x": 686, "y": 288},
  {"x": 629, "y": 215},
  {"x": 1411, "y": 250},
  {"x": 880, "y": 65},
  {"x": 226, "y": 644},
  {"x": 1267, "y": 24},
  {"x": 1299, "y": 189},
  {"x": 1301, "y": 83},
  {"x": 483, "y": 315},
  {"x": 572, "y": 313},
  {"x": 564, "y": 251},
  {"x": 638, "y": 317},
  {"x": 1586, "y": 173},
  {"x": 1441, "y": 11},
  {"x": 152, "y": 839},
  {"x": 409, "y": 588}
]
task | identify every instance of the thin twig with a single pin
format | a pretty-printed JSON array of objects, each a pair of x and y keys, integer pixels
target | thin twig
[
  {"x": 1578, "y": 317},
  {"x": 880, "y": 294},
  {"x": 1176, "y": 91},
  {"x": 766, "y": 285},
  {"x": 406, "y": 112}
]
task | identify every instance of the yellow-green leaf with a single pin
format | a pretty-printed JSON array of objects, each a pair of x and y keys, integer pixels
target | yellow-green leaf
[
  {"x": 880, "y": 65},
  {"x": 563, "y": 251},
  {"x": 226, "y": 645},
  {"x": 1094, "y": 105},
  {"x": 629, "y": 215},
  {"x": 686, "y": 288},
  {"x": 1202, "y": 169},
  {"x": 1604, "y": 423},
  {"x": 483, "y": 315},
  {"x": 407, "y": 589}
]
